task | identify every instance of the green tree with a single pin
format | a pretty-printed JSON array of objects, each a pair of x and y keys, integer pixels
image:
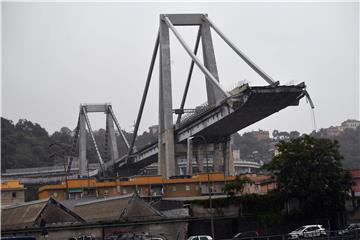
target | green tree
[
  {"x": 294, "y": 134},
  {"x": 23, "y": 145},
  {"x": 310, "y": 170},
  {"x": 63, "y": 136},
  {"x": 236, "y": 186}
]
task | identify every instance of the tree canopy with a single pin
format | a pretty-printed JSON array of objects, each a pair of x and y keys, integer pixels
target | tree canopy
[
  {"x": 309, "y": 169},
  {"x": 23, "y": 144},
  {"x": 236, "y": 186},
  {"x": 26, "y": 144}
]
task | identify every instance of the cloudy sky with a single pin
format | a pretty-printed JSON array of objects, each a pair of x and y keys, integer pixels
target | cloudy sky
[{"x": 58, "y": 55}]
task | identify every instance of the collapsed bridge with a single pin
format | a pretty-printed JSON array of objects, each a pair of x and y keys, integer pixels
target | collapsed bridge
[
  {"x": 206, "y": 128},
  {"x": 200, "y": 138}
]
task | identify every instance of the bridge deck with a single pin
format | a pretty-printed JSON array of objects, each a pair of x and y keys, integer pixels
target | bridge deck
[
  {"x": 253, "y": 105},
  {"x": 245, "y": 107}
]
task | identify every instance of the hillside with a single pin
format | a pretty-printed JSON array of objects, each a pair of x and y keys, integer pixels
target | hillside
[{"x": 25, "y": 144}]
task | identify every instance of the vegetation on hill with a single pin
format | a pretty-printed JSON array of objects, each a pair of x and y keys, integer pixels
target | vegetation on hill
[
  {"x": 25, "y": 144},
  {"x": 349, "y": 143},
  {"x": 252, "y": 149},
  {"x": 310, "y": 170}
]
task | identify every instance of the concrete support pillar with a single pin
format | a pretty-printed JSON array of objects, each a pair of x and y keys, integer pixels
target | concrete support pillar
[
  {"x": 201, "y": 157},
  {"x": 218, "y": 156},
  {"x": 229, "y": 169},
  {"x": 82, "y": 146},
  {"x": 225, "y": 158},
  {"x": 213, "y": 95},
  {"x": 189, "y": 157},
  {"x": 166, "y": 133},
  {"x": 114, "y": 152},
  {"x": 230, "y": 164}
]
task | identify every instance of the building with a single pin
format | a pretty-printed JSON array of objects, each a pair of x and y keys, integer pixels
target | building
[
  {"x": 113, "y": 217},
  {"x": 261, "y": 134},
  {"x": 128, "y": 207},
  {"x": 246, "y": 165},
  {"x": 337, "y": 130},
  {"x": 146, "y": 186},
  {"x": 154, "y": 130},
  {"x": 78, "y": 189},
  {"x": 334, "y": 131},
  {"x": 355, "y": 173},
  {"x": 352, "y": 204},
  {"x": 350, "y": 124},
  {"x": 12, "y": 192},
  {"x": 31, "y": 214}
]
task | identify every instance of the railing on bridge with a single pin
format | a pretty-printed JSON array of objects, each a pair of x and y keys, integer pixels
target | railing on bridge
[
  {"x": 203, "y": 108},
  {"x": 41, "y": 170}
]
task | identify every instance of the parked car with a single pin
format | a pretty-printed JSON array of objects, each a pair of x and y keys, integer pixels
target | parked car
[
  {"x": 200, "y": 237},
  {"x": 350, "y": 229},
  {"x": 246, "y": 235},
  {"x": 83, "y": 237},
  {"x": 308, "y": 231}
]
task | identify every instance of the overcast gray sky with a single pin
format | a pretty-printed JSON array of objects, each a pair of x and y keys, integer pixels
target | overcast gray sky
[{"x": 58, "y": 55}]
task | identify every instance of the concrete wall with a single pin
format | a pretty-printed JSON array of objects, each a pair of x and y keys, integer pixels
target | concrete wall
[
  {"x": 9, "y": 197},
  {"x": 200, "y": 211},
  {"x": 170, "y": 230},
  {"x": 59, "y": 234},
  {"x": 177, "y": 230}
]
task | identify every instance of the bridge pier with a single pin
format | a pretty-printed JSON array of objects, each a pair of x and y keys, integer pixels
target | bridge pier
[
  {"x": 113, "y": 148},
  {"x": 213, "y": 94},
  {"x": 219, "y": 155},
  {"x": 189, "y": 168},
  {"x": 166, "y": 128},
  {"x": 82, "y": 145},
  {"x": 166, "y": 143}
]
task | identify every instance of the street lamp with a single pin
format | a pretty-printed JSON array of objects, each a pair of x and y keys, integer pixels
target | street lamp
[{"x": 208, "y": 174}]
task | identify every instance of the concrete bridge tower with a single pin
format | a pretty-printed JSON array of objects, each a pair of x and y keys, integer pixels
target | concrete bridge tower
[{"x": 111, "y": 147}]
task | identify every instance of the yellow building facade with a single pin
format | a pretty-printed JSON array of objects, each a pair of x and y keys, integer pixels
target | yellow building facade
[
  {"x": 12, "y": 192},
  {"x": 145, "y": 186}
]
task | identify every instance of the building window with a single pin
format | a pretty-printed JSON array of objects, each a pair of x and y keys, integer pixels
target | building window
[
  {"x": 174, "y": 188},
  {"x": 13, "y": 194},
  {"x": 187, "y": 188}
]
